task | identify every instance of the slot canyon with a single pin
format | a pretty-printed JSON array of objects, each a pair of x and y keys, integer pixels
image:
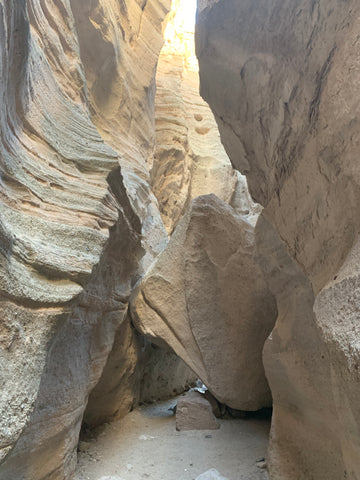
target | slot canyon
[{"x": 179, "y": 289}]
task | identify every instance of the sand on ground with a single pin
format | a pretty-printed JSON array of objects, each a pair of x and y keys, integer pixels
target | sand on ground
[{"x": 145, "y": 445}]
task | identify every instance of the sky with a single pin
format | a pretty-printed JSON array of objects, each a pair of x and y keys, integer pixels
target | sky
[{"x": 188, "y": 10}]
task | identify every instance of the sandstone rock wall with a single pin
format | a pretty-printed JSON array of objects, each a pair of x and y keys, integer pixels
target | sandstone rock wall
[
  {"x": 119, "y": 47},
  {"x": 282, "y": 80},
  {"x": 189, "y": 159},
  {"x": 79, "y": 224},
  {"x": 71, "y": 231},
  {"x": 136, "y": 371}
]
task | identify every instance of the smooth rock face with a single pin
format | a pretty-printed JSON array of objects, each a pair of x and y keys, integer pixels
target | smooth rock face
[
  {"x": 194, "y": 412},
  {"x": 282, "y": 80},
  {"x": 206, "y": 298},
  {"x": 119, "y": 48},
  {"x": 118, "y": 388}
]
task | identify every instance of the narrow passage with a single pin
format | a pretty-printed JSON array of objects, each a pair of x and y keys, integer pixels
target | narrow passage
[{"x": 146, "y": 445}]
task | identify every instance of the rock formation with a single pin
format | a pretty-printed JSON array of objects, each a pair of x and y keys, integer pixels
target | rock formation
[
  {"x": 189, "y": 159},
  {"x": 205, "y": 296},
  {"x": 97, "y": 170},
  {"x": 135, "y": 371},
  {"x": 72, "y": 224},
  {"x": 79, "y": 223},
  {"x": 194, "y": 412},
  {"x": 281, "y": 78}
]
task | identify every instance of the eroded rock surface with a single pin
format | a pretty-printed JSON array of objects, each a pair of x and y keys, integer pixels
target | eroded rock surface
[
  {"x": 189, "y": 159},
  {"x": 135, "y": 371},
  {"x": 206, "y": 297},
  {"x": 72, "y": 224},
  {"x": 282, "y": 80},
  {"x": 80, "y": 225}
]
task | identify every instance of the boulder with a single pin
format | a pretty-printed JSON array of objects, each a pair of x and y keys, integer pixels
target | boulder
[{"x": 206, "y": 297}]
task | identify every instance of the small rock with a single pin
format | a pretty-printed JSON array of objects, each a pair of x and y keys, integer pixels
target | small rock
[
  {"x": 211, "y": 474},
  {"x": 194, "y": 412},
  {"x": 261, "y": 465},
  {"x": 261, "y": 459}
]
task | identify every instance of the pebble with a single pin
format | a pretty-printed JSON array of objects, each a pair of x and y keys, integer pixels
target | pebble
[
  {"x": 146, "y": 437},
  {"x": 211, "y": 474}
]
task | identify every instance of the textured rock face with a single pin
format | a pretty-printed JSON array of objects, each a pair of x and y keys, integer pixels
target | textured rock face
[
  {"x": 119, "y": 46},
  {"x": 189, "y": 159},
  {"x": 282, "y": 80},
  {"x": 163, "y": 373},
  {"x": 71, "y": 224},
  {"x": 194, "y": 412},
  {"x": 135, "y": 371},
  {"x": 206, "y": 298},
  {"x": 79, "y": 224}
]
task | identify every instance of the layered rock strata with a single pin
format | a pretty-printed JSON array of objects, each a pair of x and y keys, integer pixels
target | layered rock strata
[
  {"x": 205, "y": 296},
  {"x": 282, "y": 80},
  {"x": 80, "y": 225},
  {"x": 72, "y": 224},
  {"x": 189, "y": 159}
]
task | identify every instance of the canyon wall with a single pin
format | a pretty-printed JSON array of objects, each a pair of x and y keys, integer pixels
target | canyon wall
[
  {"x": 74, "y": 210},
  {"x": 189, "y": 158},
  {"x": 95, "y": 172},
  {"x": 282, "y": 80}
]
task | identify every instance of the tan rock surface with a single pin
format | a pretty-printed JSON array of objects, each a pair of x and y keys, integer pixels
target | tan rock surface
[
  {"x": 135, "y": 371},
  {"x": 194, "y": 412},
  {"x": 119, "y": 47},
  {"x": 206, "y": 298},
  {"x": 71, "y": 223},
  {"x": 189, "y": 159},
  {"x": 282, "y": 80}
]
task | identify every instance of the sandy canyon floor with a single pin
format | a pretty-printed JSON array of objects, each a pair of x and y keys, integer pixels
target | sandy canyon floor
[{"x": 146, "y": 445}]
